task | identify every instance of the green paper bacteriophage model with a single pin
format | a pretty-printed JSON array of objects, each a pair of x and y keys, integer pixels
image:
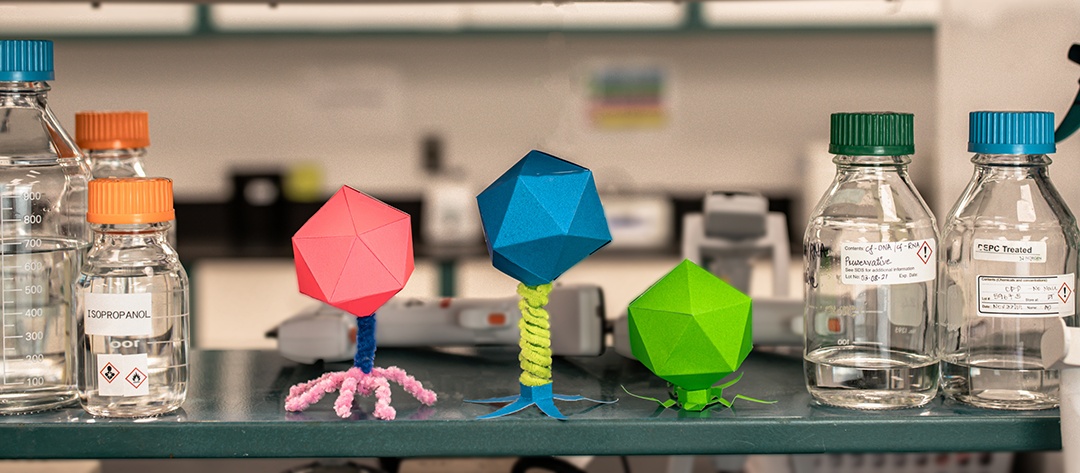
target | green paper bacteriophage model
[{"x": 692, "y": 329}]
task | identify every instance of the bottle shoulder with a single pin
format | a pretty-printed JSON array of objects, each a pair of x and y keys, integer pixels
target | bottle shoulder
[{"x": 1008, "y": 206}]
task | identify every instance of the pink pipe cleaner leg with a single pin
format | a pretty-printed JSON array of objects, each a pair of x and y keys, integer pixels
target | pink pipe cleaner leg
[
  {"x": 411, "y": 385},
  {"x": 343, "y": 405},
  {"x": 354, "y": 381}
]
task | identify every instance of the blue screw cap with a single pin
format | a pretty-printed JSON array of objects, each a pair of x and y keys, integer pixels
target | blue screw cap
[
  {"x": 26, "y": 60},
  {"x": 1011, "y": 132}
]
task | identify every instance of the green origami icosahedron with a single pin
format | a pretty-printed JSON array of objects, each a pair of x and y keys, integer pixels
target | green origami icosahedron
[{"x": 691, "y": 328}]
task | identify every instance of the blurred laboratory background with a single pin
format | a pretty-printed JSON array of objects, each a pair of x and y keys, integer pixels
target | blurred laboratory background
[{"x": 258, "y": 112}]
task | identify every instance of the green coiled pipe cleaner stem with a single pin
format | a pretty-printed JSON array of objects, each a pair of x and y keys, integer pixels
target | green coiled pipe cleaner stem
[{"x": 535, "y": 339}]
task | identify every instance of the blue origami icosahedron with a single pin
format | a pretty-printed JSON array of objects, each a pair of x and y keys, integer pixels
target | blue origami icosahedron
[{"x": 541, "y": 218}]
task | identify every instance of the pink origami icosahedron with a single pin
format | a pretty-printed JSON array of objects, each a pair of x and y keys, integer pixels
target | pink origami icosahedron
[{"x": 355, "y": 253}]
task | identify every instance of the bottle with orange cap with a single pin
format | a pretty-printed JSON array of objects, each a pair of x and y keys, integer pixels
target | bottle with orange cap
[
  {"x": 132, "y": 303},
  {"x": 114, "y": 142}
]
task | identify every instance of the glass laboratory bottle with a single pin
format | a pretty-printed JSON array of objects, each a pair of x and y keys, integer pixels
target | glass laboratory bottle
[
  {"x": 43, "y": 234},
  {"x": 132, "y": 303},
  {"x": 1008, "y": 267},
  {"x": 114, "y": 142},
  {"x": 870, "y": 270}
]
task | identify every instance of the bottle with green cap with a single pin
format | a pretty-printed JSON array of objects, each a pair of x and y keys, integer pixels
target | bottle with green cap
[
  {"x": 870, "y": 267},
  {"x": 1007, "y": 266}
]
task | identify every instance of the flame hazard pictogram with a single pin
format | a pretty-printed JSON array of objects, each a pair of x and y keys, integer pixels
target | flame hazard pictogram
[{"x": 136, "y": 377}]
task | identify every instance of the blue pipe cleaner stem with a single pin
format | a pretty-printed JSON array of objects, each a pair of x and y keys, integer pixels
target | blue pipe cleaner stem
[{"x": 365, "y": 344}]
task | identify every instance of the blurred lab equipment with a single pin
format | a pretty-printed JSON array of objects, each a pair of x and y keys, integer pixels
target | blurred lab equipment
[
  {"x": 43, "y": 233},
  {"x": 871, "y": 249},
  {"x": 638, "y": 221},
  {"x": 1008, "y": 267},
  {"x": 258, "y": 210},
  {"x": 133, "y": 303},
  {"x": 735, "y": 229},
  {"x": 449, "y": 204},
  {"x": 1060, "y": 346},
  {"x": 328, "y": 334},
  {"x": 1071, "y": 122}
]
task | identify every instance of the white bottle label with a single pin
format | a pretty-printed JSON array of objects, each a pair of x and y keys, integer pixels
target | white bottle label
[
  {"x": 122, "y": 375},
  {"x": 1009, "y": 251},
  {"x": 118, "y": 314},
  {"x": 885, "y": 263},
  {"x": 1027, "y": 296}
]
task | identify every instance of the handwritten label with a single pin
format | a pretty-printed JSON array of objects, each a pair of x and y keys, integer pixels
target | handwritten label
[
  {"x": 1027, "y": 296},
  {"x": 886, "y": 263},
  {"x": 1010, "y": 251}
]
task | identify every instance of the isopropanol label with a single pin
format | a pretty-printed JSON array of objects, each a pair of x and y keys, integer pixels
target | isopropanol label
[{"x": 118, "y": 314}]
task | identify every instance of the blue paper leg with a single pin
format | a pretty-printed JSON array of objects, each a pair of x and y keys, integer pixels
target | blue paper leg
[{"x": 540, "y": 396}]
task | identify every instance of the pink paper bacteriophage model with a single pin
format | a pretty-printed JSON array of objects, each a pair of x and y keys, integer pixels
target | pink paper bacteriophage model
[{"x": 355, "y": 253}]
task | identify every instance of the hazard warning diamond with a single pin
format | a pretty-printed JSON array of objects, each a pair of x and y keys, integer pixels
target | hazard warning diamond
[
  {"x": 136, "y": 377},
  {"x": 925, "y": 252},
  {"x": 1064, "y": 292},
  {"x": 109, "y": 372}
]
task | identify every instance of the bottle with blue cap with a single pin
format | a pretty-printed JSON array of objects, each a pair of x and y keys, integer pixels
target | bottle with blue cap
[
  {"x": 1007, "y": 267},
  {"x": 43, "y": 235}
]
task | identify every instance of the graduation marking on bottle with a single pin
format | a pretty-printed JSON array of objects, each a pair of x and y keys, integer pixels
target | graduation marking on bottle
[
  {"x": 22, "y": 293},
  {"x": 885, "y": 263},
  {"x": 1027, "y": 296}
]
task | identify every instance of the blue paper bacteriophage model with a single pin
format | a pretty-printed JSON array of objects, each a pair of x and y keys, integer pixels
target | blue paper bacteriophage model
[{"x": 540, "y": 218}]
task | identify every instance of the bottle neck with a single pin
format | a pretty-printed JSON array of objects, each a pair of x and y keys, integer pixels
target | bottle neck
[
  {"x": 873, "y": 164},
  {"x": 1011, "y": 160},
  {"x": 38, "y": 88},
  {"x": 123, "y": 162},
  {"x": 132, "y": 234},
  {"x": 1015, "y": 166}
]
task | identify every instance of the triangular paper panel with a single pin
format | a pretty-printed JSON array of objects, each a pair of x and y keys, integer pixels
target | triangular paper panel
[
  {"x": 385, "y": 243},
  {"x": 324, "y": 259},
  {"x": 369, "y": 213},
  {"x": 334, "y": 219}
]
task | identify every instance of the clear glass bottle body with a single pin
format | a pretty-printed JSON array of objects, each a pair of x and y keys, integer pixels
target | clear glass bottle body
[
  {"x": 43, "y": 234},
  {"x": 869, "y": 277},
  {"x": 1009, "y": 240},
  {"x": 131, "y": 268},
  {"x": 125, "y": 162}
]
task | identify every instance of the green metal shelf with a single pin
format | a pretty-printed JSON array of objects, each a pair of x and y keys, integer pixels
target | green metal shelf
[{"x": 234, "y": 410}]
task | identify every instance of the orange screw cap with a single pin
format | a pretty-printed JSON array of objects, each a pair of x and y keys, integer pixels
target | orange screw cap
[
  {"x": 112, "y": 130},
  {"x": 130, "y": 200}
]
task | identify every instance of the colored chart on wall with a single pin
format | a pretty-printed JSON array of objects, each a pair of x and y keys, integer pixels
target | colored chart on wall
[{"x": 628, "y": 98}]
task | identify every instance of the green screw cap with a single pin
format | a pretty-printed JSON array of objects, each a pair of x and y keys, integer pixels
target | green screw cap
[{"x": 872, "y": 134}]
